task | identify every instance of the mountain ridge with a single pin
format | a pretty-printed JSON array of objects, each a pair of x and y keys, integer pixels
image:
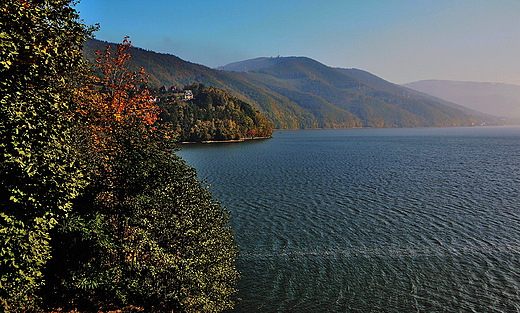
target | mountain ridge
[
  {"x": 299, "y": 92},
  {"x": 252, "y": 64},
  {"x": 497, "y": 99}
]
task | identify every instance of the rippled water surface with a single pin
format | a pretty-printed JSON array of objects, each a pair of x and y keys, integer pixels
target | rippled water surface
[{"x": 372, "y": 220}]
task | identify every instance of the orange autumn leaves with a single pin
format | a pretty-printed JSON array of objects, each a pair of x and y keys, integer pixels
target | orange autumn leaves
[
  {"x": 113, "y": 113},
  {"x": 120, "y": 104},
  {"x": 121, "y": 98}
]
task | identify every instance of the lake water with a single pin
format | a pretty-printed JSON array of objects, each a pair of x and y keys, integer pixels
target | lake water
[{"x": 372, "y": 220}]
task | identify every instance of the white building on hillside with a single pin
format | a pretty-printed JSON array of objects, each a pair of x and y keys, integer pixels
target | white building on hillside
[{"x": 188, "y": 95}]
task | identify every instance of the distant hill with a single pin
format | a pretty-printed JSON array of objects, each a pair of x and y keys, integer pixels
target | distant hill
[
  {"x": 380, "y": 83},
  {"x": 321, "y": 89},
  {"x": 490, "y": 98},
  {"x": 298, "y": 92}
]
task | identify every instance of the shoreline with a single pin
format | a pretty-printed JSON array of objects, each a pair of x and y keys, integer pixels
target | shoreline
[{"x": 225, "y": 141}]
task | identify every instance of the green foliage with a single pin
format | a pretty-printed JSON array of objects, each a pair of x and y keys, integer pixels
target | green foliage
[
  {"x": 40, "y": 46},
  {"x": 96, "y": 210},
  {"x": 24, "y": 252},
  {"x": 213, "y": 115},
  {"x": 145, "y": 232},
  {"x": 159, "y": 241}
]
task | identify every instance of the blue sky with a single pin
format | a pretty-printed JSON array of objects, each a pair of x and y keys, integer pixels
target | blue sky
[{"x": 400, "y": 41}]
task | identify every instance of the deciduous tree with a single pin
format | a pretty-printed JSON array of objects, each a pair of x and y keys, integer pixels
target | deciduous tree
[
  {"x": 40, "y": 51},
  {"x": 145, "y": 232}
]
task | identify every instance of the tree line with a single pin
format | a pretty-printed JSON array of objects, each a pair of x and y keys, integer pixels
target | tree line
[{"x": 97, "y": 212}]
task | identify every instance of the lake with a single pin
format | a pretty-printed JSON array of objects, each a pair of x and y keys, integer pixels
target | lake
[{"x": 372, "y": 220}]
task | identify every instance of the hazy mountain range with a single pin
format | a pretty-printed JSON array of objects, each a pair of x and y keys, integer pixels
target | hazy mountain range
[
  {"x": 298, "y": 92},
  {"x": 490, "y": 98}
]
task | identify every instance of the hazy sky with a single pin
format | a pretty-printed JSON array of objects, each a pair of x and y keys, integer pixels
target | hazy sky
[{"x": 401, "y": 41}]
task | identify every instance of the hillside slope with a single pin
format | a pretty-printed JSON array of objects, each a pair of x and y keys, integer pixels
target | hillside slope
[
  {"x": 298, "y": 92},
  {"x": 250, "y": 65},
  {"x": 301, "y": 79},
  {"x": 375, "y": 81}
]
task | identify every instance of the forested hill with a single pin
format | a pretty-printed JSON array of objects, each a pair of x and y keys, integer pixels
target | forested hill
[
  {"x": 489, "y": 118},
  {"x": 212, "y": 115},
  {"x": 339, "y": 100},
  {"x": 298, "y": 92}
]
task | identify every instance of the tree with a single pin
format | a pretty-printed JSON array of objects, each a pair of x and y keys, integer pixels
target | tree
[
  {"x": 40, "y": 57},
  {"x": 145, "y": 232},
  {"x": 94, "y": 201}
]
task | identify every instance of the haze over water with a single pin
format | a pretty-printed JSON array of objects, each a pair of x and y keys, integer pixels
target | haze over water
[{"x": 373, "y": 220}]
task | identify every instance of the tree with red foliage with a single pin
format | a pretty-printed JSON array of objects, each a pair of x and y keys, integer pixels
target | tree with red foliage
[{"x": 145, "y": 232}]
